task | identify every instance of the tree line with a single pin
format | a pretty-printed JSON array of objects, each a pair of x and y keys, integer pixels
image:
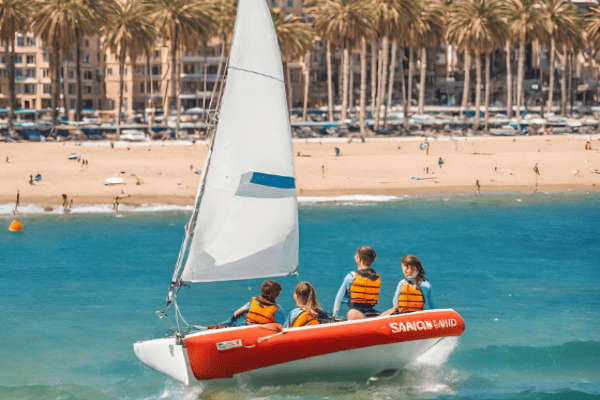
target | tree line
[{"x": 132, "y": 29}]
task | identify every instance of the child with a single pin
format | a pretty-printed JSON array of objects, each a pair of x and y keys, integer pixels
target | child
[
  {"x": 360, "y": 288},
  {"x": 308, "y": 311},
  {"x": 259, "y": 310},
  {"x": 414, "y": 292}
]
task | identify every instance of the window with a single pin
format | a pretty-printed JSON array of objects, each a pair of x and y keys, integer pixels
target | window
[
  {"x": 30, "y": 41},
  {"x": 98, "y": 56},
  {"x": 86, "y": 42},
  {"x": 72, "y": 104},
  {"x": 44, "y": 73},
  {"x": 142, "y": 87},
  {"x": 290, "y": 3},
  {"x": 18, "y": 59},
  {"x": 2, "y": 60},
  {"x": 156, "y": 70},
  {"x": 18, "y": 72},
  {"x": 31, "y": 88},
  {"x": 86, "y": 59},
  {"x": 109, "y": 72},
  {"x": 71, "y": 88},
  {"x": 87, "y": 75},
  {"x": 47, "y": 89},
  {"x": 156, "y": 53},
  {"x": 6, "y": 72},
  {"x": 30, "y": 73},
  {"x": 20, "y": 41},
  {"x": 45, "y": 57},
  {"x": 87, "y": 89},
  {"x": 30, "y": 59},
  {"x": 71, "y": 57},
  {"x": 71, "y": 74}
]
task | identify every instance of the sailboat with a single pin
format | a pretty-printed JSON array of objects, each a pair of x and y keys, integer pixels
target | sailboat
[{"x": 245, "y": 226}]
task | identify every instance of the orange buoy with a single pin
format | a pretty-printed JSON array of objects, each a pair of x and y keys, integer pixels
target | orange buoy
[{"x": 15, "y": 226}]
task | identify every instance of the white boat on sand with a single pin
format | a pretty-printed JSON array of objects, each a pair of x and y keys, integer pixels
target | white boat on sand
[{"x": 245, "y": 225}]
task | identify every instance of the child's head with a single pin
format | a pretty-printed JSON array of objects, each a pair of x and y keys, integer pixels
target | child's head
[
  {"x": 366, "y": 256},
  {"x": 305, "y": 295},
  {"x": 411, "y": 265},
  {"x": 270, "y": 290}
]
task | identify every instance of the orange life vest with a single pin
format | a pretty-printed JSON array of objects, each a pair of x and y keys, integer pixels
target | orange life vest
[
  {"x": 411, "y": 298},
  {"x": 364, "y": 290},
  {"x": 261, "y": 311},
  {"x": 305, "y": 319}
]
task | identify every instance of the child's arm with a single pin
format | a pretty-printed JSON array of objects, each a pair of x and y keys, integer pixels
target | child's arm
[{"x": 241, "y": 310}]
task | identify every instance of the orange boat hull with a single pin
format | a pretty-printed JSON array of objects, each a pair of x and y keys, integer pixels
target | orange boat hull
[{"x": 227, "y": 352}]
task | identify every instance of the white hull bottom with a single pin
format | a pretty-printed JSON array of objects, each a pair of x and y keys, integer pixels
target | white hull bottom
[{"x": 356, "y": 364}]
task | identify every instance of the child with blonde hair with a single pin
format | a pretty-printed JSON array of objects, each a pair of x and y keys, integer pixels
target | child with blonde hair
[{"x": 308, "y": 311}]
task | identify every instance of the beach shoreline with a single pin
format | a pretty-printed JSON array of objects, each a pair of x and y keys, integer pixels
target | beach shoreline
[{"x": 169, "y": 172}]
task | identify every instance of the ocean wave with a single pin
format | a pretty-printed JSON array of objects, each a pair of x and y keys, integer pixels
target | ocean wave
[
  {"x": 350, "y": 199},
  {"x": 32, "y": 209}
]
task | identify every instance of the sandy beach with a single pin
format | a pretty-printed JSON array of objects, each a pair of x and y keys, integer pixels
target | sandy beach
[{"x": 167, "y": 170}]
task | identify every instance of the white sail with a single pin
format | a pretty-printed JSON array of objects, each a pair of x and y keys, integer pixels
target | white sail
[{"x": 247, "y": 225}]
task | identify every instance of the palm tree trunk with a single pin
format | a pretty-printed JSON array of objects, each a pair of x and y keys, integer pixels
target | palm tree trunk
[
  {"x": 307, "y": 61},
  {"x": 288, "y": 84},
  {"x": 56, "y": 83},
  {"x": 351, "y": 85},
  {"x": 509, "y": 82},
  {"x": 404, "y": 98},
  {"x": 520, "y": 79},
  {"x": 329, "y": 84},
  {"x": 391, "y": 84},
  {"x": 149, "y": 102},
  {"x": 11, "y": 82},
  {"x": 385, "y": 42},
  {"x": 477, "y": 90},
  {"x": 551, "y": 74},
  {"x": 465, "y": 98},
  {"x": 344, "y": 85},
  {"x": 174, "y": 80},
  {"x": 121, "y": 79},
  {"x": 65, "y": 85},
  {"x": 563, "y": 85},
  {"x": 177, "y": 92},
  {"x": 374, "y": 59},
  {"x": 78, "y": 101},
  {"x": 423, "y": 79},
  {"x": 488, "y": 63},
  {"x": 411, "y": 63},
  {"x": 363, "y": 86}
]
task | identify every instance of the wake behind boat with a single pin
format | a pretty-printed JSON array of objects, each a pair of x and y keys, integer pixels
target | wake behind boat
[{"x": 245, "y": 226}]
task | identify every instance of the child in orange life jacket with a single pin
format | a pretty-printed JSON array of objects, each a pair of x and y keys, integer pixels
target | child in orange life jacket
[
  {"x": 414, "y": 292},
  {"x": 360, "y": 288},
  {"x": 308, "y": 311},
  {"x": 260, "y": 310}
]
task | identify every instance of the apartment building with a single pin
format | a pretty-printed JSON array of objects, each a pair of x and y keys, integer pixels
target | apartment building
[{"x": 33, "y": 88}]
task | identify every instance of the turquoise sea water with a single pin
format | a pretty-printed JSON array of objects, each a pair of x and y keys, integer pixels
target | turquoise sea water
[{"x": 523, "y": 270}]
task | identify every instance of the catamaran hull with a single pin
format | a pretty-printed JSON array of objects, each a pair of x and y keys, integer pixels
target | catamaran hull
[{"x": 267, "y": 354}]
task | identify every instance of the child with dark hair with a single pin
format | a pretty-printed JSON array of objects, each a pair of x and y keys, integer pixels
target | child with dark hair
[
  {"x": 259, "y": 310},
  {"x": 414, "y": 292},
  {"x": 308, "y": 311},
  {"x": 360, "y": 288}
]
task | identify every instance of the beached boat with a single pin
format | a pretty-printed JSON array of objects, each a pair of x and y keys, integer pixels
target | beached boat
[{"x": 245, "y": 225}]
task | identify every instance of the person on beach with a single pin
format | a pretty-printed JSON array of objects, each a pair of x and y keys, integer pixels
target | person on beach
[
  {"x": 440, "y": 162},
  {"x": 360, "y": 288},
  {"x": 31, "y": 179},
  {"x": 536, "y": 170},
  {"x": 478, "y": 187},
  {"x": 307, "y": 311},
  {"x": 259, "y": 310},
  {"x": 413, "y": 293},
  {"x": 16, "y": 211}
]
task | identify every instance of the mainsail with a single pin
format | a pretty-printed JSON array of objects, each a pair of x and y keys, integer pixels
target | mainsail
[{"x": 247, "y": 222}]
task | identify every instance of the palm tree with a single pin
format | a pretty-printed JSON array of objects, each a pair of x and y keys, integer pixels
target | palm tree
[
  {"x": 391, "y": 20},
  {"x": 295, "y": 38},
  {"x": 14, "y": 17},
  {"x": 477, "y": 27},
  {"x": 523, "y": 19},
  {"x": 343, "y": 23},
  {"x": 130, "y": 33},
  {"x": 53, "y": 23},
  {"x": 559, "y": 19},
  {"x": 426, "y": 33},
  {"x": 183, "y": 23}
]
